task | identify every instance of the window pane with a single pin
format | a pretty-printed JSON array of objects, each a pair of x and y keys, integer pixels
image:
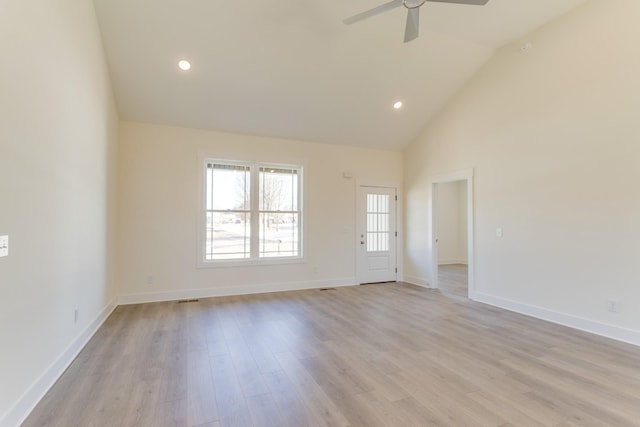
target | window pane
[
  {"x": 278, "y": 189},
  {"x": 228, "y": 187},
  {"x": 279, "y": 234},
  {"x": 228, "y": 235}
]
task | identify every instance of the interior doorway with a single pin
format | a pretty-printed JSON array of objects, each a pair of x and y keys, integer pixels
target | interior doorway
[{"x": 451, "y": 203}]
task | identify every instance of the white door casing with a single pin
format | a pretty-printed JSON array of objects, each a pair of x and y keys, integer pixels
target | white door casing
[{"x": 377, "y": 234}]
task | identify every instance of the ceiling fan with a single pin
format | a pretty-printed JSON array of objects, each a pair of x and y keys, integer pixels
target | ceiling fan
[{"x": 413, "y": 13}]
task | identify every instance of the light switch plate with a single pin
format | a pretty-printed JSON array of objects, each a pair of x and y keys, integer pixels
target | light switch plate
[{"x": 4, "y": 246}]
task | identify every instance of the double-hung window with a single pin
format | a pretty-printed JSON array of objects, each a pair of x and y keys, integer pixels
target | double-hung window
[{"x": 252, "y": 211}]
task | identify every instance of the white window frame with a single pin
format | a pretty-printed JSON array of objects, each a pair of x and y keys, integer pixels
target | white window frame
[{"x": 254, "y": 210}]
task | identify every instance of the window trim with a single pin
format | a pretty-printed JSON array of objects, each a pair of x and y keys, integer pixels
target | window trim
[{"x": 254, "y": 167}]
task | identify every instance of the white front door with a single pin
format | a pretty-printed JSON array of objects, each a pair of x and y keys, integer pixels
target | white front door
[{"x": 376, "y": 234}]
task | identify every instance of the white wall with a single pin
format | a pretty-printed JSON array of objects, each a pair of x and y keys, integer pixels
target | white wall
[
  {"x": 58, "y": 141},
  {"x": 160, "y": 201},
  {"x": 553, "y": 137},
  {"x": 452, "y": 222}
]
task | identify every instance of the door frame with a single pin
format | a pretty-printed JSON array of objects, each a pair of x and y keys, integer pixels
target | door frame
[
  {"x": 467, "y": 177},
  {"x": 360, "y": 224}
]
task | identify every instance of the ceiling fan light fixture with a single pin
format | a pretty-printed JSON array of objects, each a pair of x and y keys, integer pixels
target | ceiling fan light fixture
[
  {"x": 412, "y": 4},
  {"x": 413, "y": 13}
]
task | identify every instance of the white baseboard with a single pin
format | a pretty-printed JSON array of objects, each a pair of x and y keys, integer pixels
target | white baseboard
[
  {"x": 25, "y": 404},
  {"x": 234, "y": 290},
  {"x": 618, "y": 333},
  {"x": 417, "y": 281},
  {"x": 452, "y": 261}
]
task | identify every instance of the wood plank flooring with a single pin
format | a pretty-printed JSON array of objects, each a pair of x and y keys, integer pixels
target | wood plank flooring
[
  {"x": 452, "y": 280},
  {"x": 375, "y": 355}
]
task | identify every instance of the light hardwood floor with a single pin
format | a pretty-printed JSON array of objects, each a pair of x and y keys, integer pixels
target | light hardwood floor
[
  {"x": 452, "y": 280},
  {"x": 377, "y": 355}
]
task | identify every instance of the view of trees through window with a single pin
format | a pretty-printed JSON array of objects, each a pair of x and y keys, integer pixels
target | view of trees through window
[
  {"x": 252, "y": 211},
  {"x": 279, "y": 217}
]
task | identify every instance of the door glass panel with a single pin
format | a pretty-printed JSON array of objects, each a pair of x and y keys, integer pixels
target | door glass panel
[{"x": 377, "y": 222}]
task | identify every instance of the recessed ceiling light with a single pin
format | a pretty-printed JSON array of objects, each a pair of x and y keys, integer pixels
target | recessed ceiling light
[
  {"x": 184, "y": 65},
  {"x": 397, "y": 105}
]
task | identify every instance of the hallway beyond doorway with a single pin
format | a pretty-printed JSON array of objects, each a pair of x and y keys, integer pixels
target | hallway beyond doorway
[{"x": 453, "y": 279}]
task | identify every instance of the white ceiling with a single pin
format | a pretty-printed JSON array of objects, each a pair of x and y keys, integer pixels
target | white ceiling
[{"x": 291, "y": 69}]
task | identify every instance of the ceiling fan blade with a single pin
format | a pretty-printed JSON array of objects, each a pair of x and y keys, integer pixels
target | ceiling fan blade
[
  {"x": 373, "y": 12},
  {"x": 471, "y": 2},
  {"x": 413, "y": 24}
]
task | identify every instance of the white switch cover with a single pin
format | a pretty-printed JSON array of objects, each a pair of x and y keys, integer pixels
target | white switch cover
[
  {"x": 498, "y": 232},
  {"x": 4, "y": 246}
]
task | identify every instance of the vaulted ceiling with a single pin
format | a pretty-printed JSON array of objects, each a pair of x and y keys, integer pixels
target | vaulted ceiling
[{"x": 292, "y": 69}]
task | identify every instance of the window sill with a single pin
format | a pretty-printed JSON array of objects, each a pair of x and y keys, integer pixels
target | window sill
[{"x": 250, "y": 262}]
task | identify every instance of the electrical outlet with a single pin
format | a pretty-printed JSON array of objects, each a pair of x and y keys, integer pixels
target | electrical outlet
[
  {"x": 499, "y": 232},
  {"x": 612, "y": 305},
  {"x": 149, "y": 280},
  {"x": 4, "y": 246}
]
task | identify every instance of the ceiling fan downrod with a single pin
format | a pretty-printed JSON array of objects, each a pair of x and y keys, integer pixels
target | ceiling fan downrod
[{"x": 413, "y": 4}]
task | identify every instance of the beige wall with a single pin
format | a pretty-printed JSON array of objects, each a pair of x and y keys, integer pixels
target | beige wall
[
  {"x": 553, "y": 138},
  {"x": 160, "y": 201},
  {"x": 58, "y": 140}
]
